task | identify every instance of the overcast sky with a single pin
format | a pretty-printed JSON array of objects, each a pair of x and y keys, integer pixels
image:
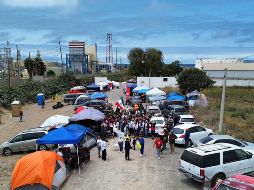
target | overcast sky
[{"x": 183, "y": 29}]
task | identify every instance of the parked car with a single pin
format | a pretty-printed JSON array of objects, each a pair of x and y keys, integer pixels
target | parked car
[
  {"x": 236, "y": 182},
  {"x": 166, "y": 103},
  {"x": 135, "y": 100},
  {"x": 24, "y": 141},
  {"x": 97, "y": 104},
  {"x": 71, "y": 98},
  {"x": 160, "y": 123},
  {"x": 215, "y": 162},
  {"x": 186, "y": 119},
  {"x": 196, "y": 132},
  {"x": 89, "y": 142},
  {"x": 81, "y": 100},
  {"x": 175, "y": 110},
  {"x": 153, "y": 110},
  {"x": 213, "y": 139}
]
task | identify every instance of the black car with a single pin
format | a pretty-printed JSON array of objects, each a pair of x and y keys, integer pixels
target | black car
[
  {"x": 71, "y": 98},
  {"x": 97, "y": 104},
  {"x": 167, "y": 103}
]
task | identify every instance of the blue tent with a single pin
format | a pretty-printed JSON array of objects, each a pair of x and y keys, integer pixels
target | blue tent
[
  {"x": 174, "y": 94},
  {"x": 71, "y": 134},
  {"x": 98, "y": 95},
  {"x": 176, "y": 98}
]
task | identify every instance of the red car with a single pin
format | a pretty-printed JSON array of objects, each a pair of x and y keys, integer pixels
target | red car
[{"x": 236, "y": 182}]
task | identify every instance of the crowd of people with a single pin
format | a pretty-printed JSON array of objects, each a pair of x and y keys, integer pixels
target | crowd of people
[{"x": 132, "y": 127}]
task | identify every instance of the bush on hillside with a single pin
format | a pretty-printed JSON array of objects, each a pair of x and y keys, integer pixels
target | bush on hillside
[{"x": 27, "y": 92}]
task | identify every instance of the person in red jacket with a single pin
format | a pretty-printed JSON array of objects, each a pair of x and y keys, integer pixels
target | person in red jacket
[{"x": 158, "y": 144}]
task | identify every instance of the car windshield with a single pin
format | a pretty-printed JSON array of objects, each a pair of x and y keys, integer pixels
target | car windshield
[
  {"x": 195, "y": 97},
  {"x": 226, "y": 187},
  {"x": 70, "y": 96},
  {"x": 158, "y": 121},
  {"x": 177, "y": 131},
  {"x": 187, "y": 120},
  {"x": 82, "y": 100},
  {"x": 180, "y": 110},
  {"x": 154, "y": 110},
  {"x": 206, "y": 139}
]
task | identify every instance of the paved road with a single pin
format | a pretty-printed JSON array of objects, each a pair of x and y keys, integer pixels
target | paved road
[{"x": 139, "y": 173}]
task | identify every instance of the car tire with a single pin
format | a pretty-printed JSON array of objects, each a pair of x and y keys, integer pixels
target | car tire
[
  {"x": 7, "y": 152},
  {"x": 189, "y": 144},
  {"x": 218, "y": 177},
  {"x": 43, "y": 147}
]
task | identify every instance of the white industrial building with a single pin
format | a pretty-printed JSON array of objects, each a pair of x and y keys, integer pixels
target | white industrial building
[{"x": 238, "y": 72}]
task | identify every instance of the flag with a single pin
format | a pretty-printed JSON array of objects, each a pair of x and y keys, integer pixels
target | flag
[{"x": 120, "y": 104}]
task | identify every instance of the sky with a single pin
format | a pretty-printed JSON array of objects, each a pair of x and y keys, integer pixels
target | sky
[{"x": 182, "y": 29}]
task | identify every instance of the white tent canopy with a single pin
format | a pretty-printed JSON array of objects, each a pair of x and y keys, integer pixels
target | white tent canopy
[
  {"x": 55, "y": 121},
  {"x": 140, "y": 88},
  {"x": 155, "y": 92}
]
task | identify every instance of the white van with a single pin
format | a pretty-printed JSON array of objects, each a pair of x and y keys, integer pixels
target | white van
[{"x": 160, "y": 123}]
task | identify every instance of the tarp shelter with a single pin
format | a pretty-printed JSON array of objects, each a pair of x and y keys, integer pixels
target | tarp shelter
[
  {"x": 90, "y": 113},
  {"x": 175, "y": 96},
  {"x": 98, "y": 95},
  {"x": 72, "y": 134},
  {"x": 54, "y": 121},
  {"x": 139, "y": 88},
  {"x": 93, "y": 87},
  {"x": 41, "y": 170},
  {"x": 155, "y": 92}
]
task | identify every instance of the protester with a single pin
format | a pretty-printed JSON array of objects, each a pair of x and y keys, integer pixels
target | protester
[
  {"x": 171, "y": 139},
  {"x": 153, "y": 129},
  {"x": 142, "y": 143},
  {"x": 134, "y": 140},
  {"x": 127, "y": 147},
  {"x": 158, "y": 144},
  {"x": 104, "y": 145},
  {"x": 120, "y": 143},
  {"x": 99, "y": 141},
  {"x": 20, "y": 116}
]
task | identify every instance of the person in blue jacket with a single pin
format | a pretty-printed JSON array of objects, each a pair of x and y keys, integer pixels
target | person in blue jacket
[{"x": 142, "y": 143}]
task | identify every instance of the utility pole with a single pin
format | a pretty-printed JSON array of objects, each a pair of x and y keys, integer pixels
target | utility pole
[
  {"x": 7, "y": 52},
  {"x": 222, "y": 102},
  {"x": 18, "y": 60},
  {"x": 61, "y": 54}
]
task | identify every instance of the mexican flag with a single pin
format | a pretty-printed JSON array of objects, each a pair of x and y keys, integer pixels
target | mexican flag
[{"x": 120, "y": 104}]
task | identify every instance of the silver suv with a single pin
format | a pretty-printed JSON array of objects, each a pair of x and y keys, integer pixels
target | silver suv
[{"x": 24, "y": 141}]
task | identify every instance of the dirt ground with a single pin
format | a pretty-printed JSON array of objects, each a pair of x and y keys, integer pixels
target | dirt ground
[{"x": 116, "y": 173}]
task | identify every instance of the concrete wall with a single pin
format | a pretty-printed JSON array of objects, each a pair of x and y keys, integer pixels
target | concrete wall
[
  {"x": 236, "y": 82},
  {"x": 159, "y": 82},
  {"x": 231, "y": 74}
]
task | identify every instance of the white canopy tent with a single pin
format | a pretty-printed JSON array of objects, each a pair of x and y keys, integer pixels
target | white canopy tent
[
  {"x": 55, "y": 120},
  {"x": 155, "y": 92}
]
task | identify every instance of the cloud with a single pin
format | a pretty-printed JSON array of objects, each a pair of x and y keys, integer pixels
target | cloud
[{"x": 39, "y": 3}]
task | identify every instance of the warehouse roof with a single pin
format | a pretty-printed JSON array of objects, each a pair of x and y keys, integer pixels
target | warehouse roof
[{"x": 228, "y": 66}]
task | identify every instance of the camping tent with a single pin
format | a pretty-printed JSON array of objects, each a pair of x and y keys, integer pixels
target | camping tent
[
  {"x": 72, "y": 134},
  {"x": 155, "y": 92},
  {"x": 93, "y": 87},
  {"x": 54, "y": 121},
  {"x": 98, "y": 95},
  {"x": 44, "y": 170}
]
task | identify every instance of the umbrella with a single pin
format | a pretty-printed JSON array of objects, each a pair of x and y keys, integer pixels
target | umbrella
[
  {"x": 79, "y": 109},
  {"x": 89, "y": 113}
]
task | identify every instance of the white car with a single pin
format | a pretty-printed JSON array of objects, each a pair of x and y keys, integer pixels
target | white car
[
  {"x": 214, "y": 139},
  {"x": 196, "y": 132},
  {"x": 160, "y": 123},
  {"x": 153, "y": 109},
  {"x": 186, "y": 119},
  {"x": 215, "y": 162}
]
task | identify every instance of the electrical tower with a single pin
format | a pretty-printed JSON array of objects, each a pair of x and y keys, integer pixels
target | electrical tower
[{"x": 109, "y": 52}]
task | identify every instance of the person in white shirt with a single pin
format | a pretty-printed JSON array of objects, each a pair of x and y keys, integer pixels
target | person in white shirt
[
  {"x": 99, "y": 146},
  {"x": 104, "y": 145}
]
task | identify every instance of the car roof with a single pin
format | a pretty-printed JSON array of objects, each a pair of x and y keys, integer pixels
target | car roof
[
  {"x": 186, "y": 126},
  {"x": 211, "y": 148},
  {"x": 157, "y": 118},
  {"x": 216, "y": 137},
  {"x": 83, "y": 96},
  {"x": 153, "y": 107},
  {"x": 186, "y": 116}
]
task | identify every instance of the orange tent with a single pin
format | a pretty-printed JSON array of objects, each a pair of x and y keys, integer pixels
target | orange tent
[{"x": 37, "y": 168}]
